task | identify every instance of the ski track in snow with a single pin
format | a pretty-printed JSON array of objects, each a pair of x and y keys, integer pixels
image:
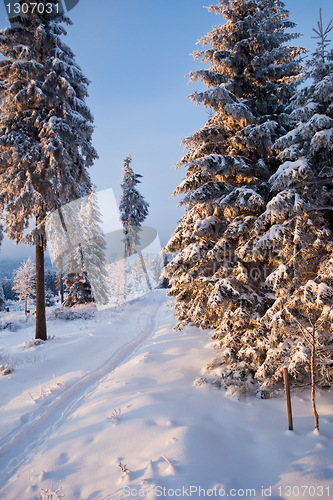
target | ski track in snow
[{"x": 17, "y": 447}]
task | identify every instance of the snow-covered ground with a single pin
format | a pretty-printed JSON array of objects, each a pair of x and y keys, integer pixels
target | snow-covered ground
[{"x": 118, "y": 388}]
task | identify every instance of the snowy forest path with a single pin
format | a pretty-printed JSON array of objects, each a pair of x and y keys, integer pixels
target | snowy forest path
[{"x": 19, "y": 446}]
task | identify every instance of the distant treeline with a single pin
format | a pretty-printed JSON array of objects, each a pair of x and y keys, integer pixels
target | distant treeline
[{"x": 51, "y": 283}]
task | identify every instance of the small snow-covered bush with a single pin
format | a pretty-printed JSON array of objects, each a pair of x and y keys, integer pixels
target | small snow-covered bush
[
  {"x": 6, "y": 365},
  {"x": 86, "y": 311},
  {"x": 33, "y": 343},
  {"x": 6, "y": 369},
  {"x": 15, "y": 322},
  {"x": 36, "y": 342},
  {"x": 236, "y": 378},
  {"x": 8, "y": 325}
]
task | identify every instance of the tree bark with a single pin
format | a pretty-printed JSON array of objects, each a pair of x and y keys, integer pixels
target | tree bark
[
  {"x": 286, "y": 385},
  {"x": 41, "y": 332},
  {"x": 313, "y": 380},
  {"x": 61, "y": 286}
]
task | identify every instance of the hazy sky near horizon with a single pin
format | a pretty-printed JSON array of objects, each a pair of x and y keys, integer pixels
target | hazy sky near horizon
[{"x": 136, "y": 53}]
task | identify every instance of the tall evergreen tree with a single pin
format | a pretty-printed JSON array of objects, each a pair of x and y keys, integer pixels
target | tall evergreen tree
[
  {"x": 94, "y": 248},
  {"x": 75, "y": 234},
  {"x": 2, "y": 293},
  {"x": 45, "y": 131},
  {"x": 217, "y": 276},
  {"x": 7, "y": 285},
  {"x": 2, "y": 297},
  {"x": 78, "y": 285},
  {"x": 250, "y": 78},
  {"x": 298, "y": 227},
  {"x": 133, "y": 211},
  {"x": 1, "y": 234},
  {"x": 51, "y": 281},
  {"x": 64, "y": 233}
]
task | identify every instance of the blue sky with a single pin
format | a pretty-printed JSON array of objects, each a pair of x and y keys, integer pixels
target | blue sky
[{"x": 136, "y": 53}]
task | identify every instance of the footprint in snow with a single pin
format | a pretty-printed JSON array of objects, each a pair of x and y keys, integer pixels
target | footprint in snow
[{"x": 145, "y": 358}]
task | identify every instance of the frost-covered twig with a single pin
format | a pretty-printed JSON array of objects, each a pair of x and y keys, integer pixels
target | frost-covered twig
[
  {"x": 59, "y": 383},
  {"x": 165, "y": 458},
  {"x": 115, "y": 415},
  {"x": 50, "y": 494},
  {"x": 123, "y": 468},
  {"x": 33, "y": 359},
  {"x": 302, "y": 328},
  {"x": 330, "y": 309}
]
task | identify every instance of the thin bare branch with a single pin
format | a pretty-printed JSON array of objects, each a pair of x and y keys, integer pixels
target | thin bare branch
[{"x": 299, "y": 324}]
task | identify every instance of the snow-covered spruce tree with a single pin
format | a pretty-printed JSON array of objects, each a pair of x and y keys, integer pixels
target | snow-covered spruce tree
[
  {"x": 133, "y": 211},
  {"x": 2, "y": 293},
  {"x": 2, "y": 298},
  {"x": 7, "y": 285},
  {"x": 51, "y": 281},
  {"x": 24, "y": 282},
  {"x": 78, "y": 290},
  {"x": 297, "y": 227},
  {"x": 67, "y": 247},
  {"x": 76, "y": 226},
  {"x": 49, "y": 297},
  {"x": 115, "y": 277},
  {"x": 94, "y": 248},
  {"x": 64, "y": 234},
  {"x": 45, "y": 131},
  {"x": 77, "y": 285},
  {"x": 1, "y": 234},
  {"x": 216, "y": 277},
  {"x": 156, "y": 268}
]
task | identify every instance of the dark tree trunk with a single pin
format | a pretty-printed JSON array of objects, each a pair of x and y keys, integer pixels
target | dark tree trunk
[
  {"x": 40, "y": 294},
  {"x": 61, "y": 286}
]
